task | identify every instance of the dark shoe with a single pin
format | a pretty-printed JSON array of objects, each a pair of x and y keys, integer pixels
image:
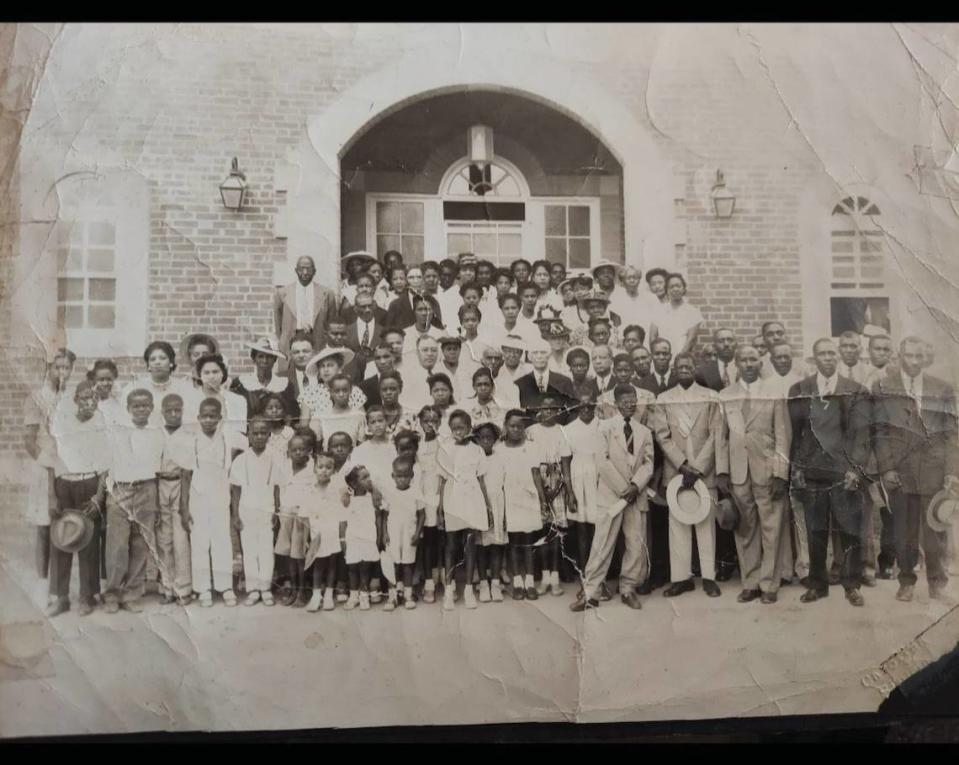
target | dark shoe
[
  {"x": 811, "y": 596},
  {"x": 300, "y": 600},
  {"x": 631, "y": 599},
  {"x": 168, "y": 599},
  {"x": 288, "y": 596},
  {"x": 905, "y": 592},
  {"x": 132, "y": 606},
  {"x": 768, "y": 597},
  {"x": 868, "y": 580},
  {"x": 184, "y": 600},
  {"x": 57, "y": 607},
  {"x": 678, "y": 588},
  {"x": 748, "y": 595},
  {"x": 604, "y": 594},
  {"x": 884, "y": 573},
  {"x": 582, "y": 603},
  {"x": 85, "y": 609},
  {"x": 711, "y": 588},
  {"x": 519, "y": 593},
  {"x": 111, "y": 607},
  {"x": 834, "y": 577},
  {"x": 645, "y": 588},
  {"x": 531, "y": 593},
  {"x": 785, "y": 582},
  {"x": 805, "y": 582},
  {"x": 855, "y": 597},
  {"x": 725, "y": 573}
]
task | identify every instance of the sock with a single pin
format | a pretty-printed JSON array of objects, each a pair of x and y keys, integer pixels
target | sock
[
  {"x": 407, "y": 593},
  {"x": 518, "y": 582},
  {"x": 554, "y": 578},
  {"x": 546, "y": 574},
  {"x": 429, "y": 585},
  {"x": 494, "y": 582},
  {"x": 529, "y": 581}
]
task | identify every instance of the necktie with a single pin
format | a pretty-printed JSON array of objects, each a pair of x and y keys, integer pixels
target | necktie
[
  {"x": 542, "y": 384},
  {"x": 366, "y": 335},
  {"x": 628, "y": 432},
  {"x": 662, "y": 382},
  {"x": 747, "y": 405},
  {"x": 725, "y": 374}
]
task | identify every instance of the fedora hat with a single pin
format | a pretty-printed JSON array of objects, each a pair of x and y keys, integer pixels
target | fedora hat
[
  {"x": 357, "y": 255},
  {"x": 195, "y": 338},
  {"x": 268, "y": 345},
  {"x": 71, "y": 532},
  {"x": 604, "y": 263},
  {"x": 689, "y": 506},
  {"x": 311, "y": 365},
  {"x": 943, "y": 511},
  {"x": 513, "y": 341},
  {"x": 727, "y": 514}
]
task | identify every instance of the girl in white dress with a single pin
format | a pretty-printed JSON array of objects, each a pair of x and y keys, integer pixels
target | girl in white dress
[
  {"x": 587, "y": 446},
  {"x": 464, "y": 507},
  {"x": 492, "y": 541},
  {"x": 427, "y": 452}
]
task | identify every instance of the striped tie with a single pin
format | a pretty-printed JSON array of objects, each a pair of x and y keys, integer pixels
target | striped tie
[{"x": 628, "y": 432}]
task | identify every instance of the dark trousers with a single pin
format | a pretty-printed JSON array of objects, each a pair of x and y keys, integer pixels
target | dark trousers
[
  {"x": 909, "y": 522},
  {"x": 658, "y": 535},
  {"x": 887, "y": 539},
  {"x": 843, "y": 508},
  {"x": 73, "y": 495}
]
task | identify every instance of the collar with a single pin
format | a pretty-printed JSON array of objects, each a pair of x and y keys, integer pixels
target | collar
[
  {"x": 828, "y": 383},
  {"x": 908, "y": 381}
]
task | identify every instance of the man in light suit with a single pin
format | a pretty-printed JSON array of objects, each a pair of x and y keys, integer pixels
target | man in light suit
[
  {"x": 303, "y": 306},
  {"x": 751, "y": 464},
  {"x": 624, "y": 472},
  {"x": 917, "y": 453},
  {"x": 685, "y": 420}
]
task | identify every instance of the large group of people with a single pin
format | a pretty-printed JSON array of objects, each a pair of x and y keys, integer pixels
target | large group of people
[{"x": 477, "y": 432}]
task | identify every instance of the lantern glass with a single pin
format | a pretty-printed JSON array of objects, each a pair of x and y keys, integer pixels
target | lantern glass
[
  {"x": 724, "y": 203},
  {"x": 481, "y": 144},
  {"x": 232, "y": 191}
]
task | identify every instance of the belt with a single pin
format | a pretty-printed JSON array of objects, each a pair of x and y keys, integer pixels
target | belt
[
  {"x": 135, "y": 483},
  {"x": 169, "y": 476},
  {"x": 77, "y": 476}
]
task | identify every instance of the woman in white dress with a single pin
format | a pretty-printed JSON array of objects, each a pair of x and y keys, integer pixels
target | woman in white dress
[
  {"x": 213, "y": 374},
  {"x": 587, "y": 445},
  {"x": 315, "y": 399},
  {"x": 678, "y": 320},
  {"x": 160, "y": 360}
]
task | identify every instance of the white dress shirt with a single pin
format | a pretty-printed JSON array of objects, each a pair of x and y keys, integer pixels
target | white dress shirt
[
  {"x": 304, "y": 306},
  {"x": 727, "y": 371},
  {"x": 912, "y": 385},
  {"x": 826, "y": 385},
  {"x": 603, "y": 381}
]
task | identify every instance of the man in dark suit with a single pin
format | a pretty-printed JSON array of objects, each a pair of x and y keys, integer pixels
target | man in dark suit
[
  {"x": 541, "y": 382},
  {"x": 364, "y": 285},
  {"x": 400, "y": 312},
  {"x": 383, "y": 360},
  {"x": 363, "y": 334},
  {"x": 716, "y": 375},
  {"x": 830, "y": 417},
  {"x": 301, "y": 351},
  {"x": 917, "y": 455},
  {"x": 661, "y": 377},
  {"x": 303, "y": 305},
  {"x": 720, "y": 373}
]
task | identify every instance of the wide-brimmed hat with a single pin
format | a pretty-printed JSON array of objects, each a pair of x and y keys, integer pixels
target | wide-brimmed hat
[
  {"x": 550, "y": 328},
  {"x": 604, "y": 263},
  {"x": 357, "y": 255},
  {"x": 689, "y": 506},
  {"x": 727, "y": 514},
  {"x": 513, "y": 341},
  {"x": 943, "y": 511},
  {"x": 596, "y": 296},
  {"x": 193, "y": 339},
  {"x": 326, "y": 353},
  {"x": 268, "y": 345},
  {"x": 71, "y": 532},
  {"x": 449, "y": 340}
]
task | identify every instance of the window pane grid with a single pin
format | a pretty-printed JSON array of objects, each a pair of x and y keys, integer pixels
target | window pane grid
[
  {"x": 86, "y": 284},
  {"x": 858, "y": 281},
  {"x": 568, "y": 239},
  {"x": 399, "y": 225}
]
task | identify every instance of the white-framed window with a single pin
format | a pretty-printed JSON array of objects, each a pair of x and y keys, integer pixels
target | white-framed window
[
  {"x": 859, "y": 297},
  {"x": 569, "y": 233},
  {"x": 101, "y": 246},
  {"x": 399, "y": 223},
  {"x": 500, "y": 242}
]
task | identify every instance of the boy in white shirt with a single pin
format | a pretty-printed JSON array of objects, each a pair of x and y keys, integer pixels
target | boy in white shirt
[{"x": 404, "y": 509}]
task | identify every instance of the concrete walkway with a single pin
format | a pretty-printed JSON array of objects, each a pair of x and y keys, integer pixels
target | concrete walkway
[{"x": 178, "y": 669}]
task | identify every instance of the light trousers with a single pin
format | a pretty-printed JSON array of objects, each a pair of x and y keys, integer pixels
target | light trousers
[
  {"x": 256, "y": 538},
  {"x": 635, "y": 566},
  {"x": 681, "y": 547},
  {"x": 797, "y": 527},
  {"x": 173, "y": 542},
  {"x": 211, "y": 550},
  {"x": 758, "y": 536},
  {"x": 131, "y": 538}
]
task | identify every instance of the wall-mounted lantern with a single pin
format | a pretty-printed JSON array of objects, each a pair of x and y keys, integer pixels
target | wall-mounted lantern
[
  {"x": 724, "y": 201},
  {"x": 233, "y": 189}
]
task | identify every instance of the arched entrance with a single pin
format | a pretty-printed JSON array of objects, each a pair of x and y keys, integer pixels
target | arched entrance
[{"x": 317, "y": 222}]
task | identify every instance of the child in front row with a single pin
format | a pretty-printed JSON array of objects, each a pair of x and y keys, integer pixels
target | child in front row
[
  {"x": 296, "y": 499},
  {"x": 324, "y": 515},
  {"x": 403, "y": 511},
  {"x": 359, "y": 535},
  {"x": 429, "y": 549},
  {"x": 255, "y": 480},
  {"x": 492, "y": 543},
  {"x": 340, "y": 445}
]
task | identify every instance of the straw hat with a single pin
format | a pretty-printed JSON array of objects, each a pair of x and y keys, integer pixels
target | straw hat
[
  {"x": 346, "y": 354},
  {"x": 268, "y": 345},
  {"x": 71, "y": 532},
  {"x": 689, "y": 506},
  {"x": 942, "y": 512},
  {"x": 604, "y": 263}
]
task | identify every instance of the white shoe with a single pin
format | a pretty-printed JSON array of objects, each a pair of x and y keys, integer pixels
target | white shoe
[
  {"x": 496, "y": 592},
  {"x": 342, "y": 597},
  {"x": 484, "y": 592},
  {"x": 555, "y": 588},
  {"x": 429, "y": 591},
  {"x": 206, "y": 599},
  {"x": 267, "y": 597},
  {"x": 543, "y": 587},
  {"x": 390, "y": 601},
  {"x": 448, "y": 603},
  {"x": 469, "y": 597},
  {"x": 229, "y": 598},
  {"x": 329, "y": 600},
  {"x": 408, "y": 602},
  {"x": 364, "y": 601},
  {"x": 375, "y": 596},
  {"x": 316, "y": 602},
  {"x": 252, "y": 599},
  {"x": 352, "y": 601}
]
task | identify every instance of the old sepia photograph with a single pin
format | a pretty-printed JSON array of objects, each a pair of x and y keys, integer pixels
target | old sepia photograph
[{"x": 426, "y": 374}]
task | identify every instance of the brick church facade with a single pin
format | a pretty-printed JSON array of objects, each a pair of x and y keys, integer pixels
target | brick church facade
[{"x": 607, "y": 140}]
